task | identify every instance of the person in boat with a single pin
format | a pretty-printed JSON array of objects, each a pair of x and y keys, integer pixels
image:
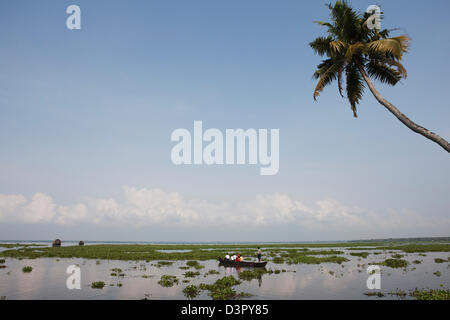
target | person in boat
[
  {"x": 238, "y": 257},
  {"x": 259, "y": 254},
  {"x": 227, "y": 257},
  {"x": 233, "y": 257}
]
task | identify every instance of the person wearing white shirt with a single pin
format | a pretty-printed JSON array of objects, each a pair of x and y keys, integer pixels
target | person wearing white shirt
[{"x": 227, "y": 257}]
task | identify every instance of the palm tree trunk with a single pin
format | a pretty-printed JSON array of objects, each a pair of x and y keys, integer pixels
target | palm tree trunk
[{"x": 400, "y": 116}]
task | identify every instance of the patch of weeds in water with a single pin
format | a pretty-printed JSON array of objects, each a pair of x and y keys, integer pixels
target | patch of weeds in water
[
  {"x": 192, "y": 263},
  {"x": 359, "y": 254},
  {"x": 430, "y": 294},
  {"x": 331, "y": 272},
  {"x": 256, "y": 273},
  {"x": 417, "y": 261},
  {"x": 191, "y": 291},
  {"x": 27, "y": 269},
  {"x": 374, "y": 294},
  {"x": 398, "y": 293},
  {"x": 97, "y": 262},
  {"x": 278, "y": 260},
  {"x": 437, "y": 273},
  {"x": 394, "y": 263},
  {"x": 145, "y": 276},
  {"x": 422, "y": 254},
  {"x": 439, "y": 260},
  {"x": 222, "y": 288},
  {"x": 397, "y": 256},
  {"x": 316, "y": 260},
  {"x": 168, "y": 281},
  {"x": 186, "y": 281},
  {"x": 2, "y": 261},
  {"x": 113, "y": 274},
  {"x": 184, "y": 267},
  {"x": 164, "y": 263},
  {"x": 97, "y": 285},
  {"x": 209, "y": 272},
  {"x": 191, "y": 274}
]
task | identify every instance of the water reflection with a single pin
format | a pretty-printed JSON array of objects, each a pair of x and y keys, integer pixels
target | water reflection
[{"x": 140, "y": 280}]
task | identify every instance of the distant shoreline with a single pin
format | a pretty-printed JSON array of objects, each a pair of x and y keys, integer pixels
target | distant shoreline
[{"x": 418, "y": 239}]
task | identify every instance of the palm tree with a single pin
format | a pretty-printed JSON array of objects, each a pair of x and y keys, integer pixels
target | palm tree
[{"x": 357, "y": 52}]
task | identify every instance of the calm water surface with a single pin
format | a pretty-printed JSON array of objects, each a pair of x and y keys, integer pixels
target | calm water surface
[{"x": 324, "y": 281}]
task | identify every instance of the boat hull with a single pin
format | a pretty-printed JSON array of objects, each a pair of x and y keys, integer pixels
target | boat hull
[{"x": 242, "y": 263}]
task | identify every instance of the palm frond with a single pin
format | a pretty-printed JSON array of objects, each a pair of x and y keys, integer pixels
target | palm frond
[
  {"x": 321, "y": 45},
  {"x": 326, "y": 73},
  {"x": 354, "y": 87},
  {"x": 383, "y": 73}
]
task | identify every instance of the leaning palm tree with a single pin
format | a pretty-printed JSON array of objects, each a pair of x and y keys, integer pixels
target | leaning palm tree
[{"x": 359, "y": 52}]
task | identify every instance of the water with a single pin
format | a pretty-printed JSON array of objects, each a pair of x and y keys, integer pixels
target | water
[{"x": 48, "y": 279}]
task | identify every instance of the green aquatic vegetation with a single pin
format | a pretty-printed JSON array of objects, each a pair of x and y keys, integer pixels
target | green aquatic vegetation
[
  {"x": 97, "y": 285},
  {"x": 113, "y": 274},
  {"x": 27, "y": 269},
  {"x": 373, "y": 294},
  {"x": 411, "y": 248},
  {"x": 192, "y": 263},
  {"x": 211, "y": 272},
  {"x": 168, "y": 281},
  {"x": 397, "y": 256},
  {"x": 249, "y": 275},
  {"x": 360, "y": 254},
  {"x": 393, "y": 263},
  {"x": 164, "y": 263},
  {"x": 2, "y": 261},
  {"x": 430, "y": 294},
  {"x": 191, "y": 274},
  {"x": 399, "y": 293},
  {"x": 184, "y": 267},
  {"x": 437, "y": 273},
  {"x": 422, "y": 254},
  {"x": 278, "y": 260},
  {"x": 316, "y": 260},
  {"x": 191, "y": 291},
  {"x": 140, "y": 252},
  {"x": 222, "y": 288},
  {"x": 417, "y": 261},
  {"x": 439, "y": 260},
  {"x": 97, "y": 262}
]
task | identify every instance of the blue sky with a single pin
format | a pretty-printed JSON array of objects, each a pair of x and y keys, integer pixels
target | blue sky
[{"x": 86, "y": 117}]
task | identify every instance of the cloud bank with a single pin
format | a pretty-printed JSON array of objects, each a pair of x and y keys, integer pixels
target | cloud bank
[{"x": 152, "y": 207}]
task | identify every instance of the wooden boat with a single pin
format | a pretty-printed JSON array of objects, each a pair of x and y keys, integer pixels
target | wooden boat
[{"x": 229, "y": 263}]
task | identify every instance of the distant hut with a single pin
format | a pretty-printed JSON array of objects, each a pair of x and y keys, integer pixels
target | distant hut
[
  {"x": 56, "y": 243},
  {"x": 81, "y": 243}
]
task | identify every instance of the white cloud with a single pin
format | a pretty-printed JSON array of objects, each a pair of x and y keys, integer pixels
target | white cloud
[{"x": 150, "y": 207}]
